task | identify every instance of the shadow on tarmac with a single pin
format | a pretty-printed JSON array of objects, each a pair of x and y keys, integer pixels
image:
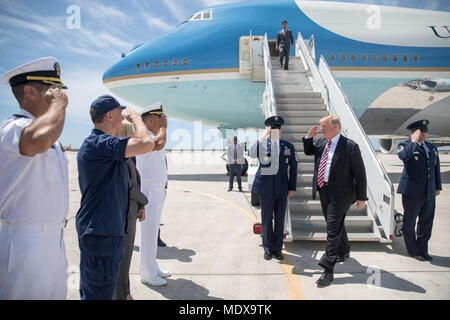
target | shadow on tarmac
[
  {"x": 307, "y": 265},
  {"x": 183, "y": 289},
  {"x": 183, "y": 255}
]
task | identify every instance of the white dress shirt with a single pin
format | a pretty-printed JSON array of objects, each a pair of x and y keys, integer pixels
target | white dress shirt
[
  {"x": 334, "y": 142},
  {"x": 152, "y": 166}
]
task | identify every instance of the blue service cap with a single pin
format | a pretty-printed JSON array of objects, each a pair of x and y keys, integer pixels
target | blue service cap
[
  {"x": 274, "y": 121},
  {"x": 420, "y": 124},
  {"x": 103, "y": 104}
]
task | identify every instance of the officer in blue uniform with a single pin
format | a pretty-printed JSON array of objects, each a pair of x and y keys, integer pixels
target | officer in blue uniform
[
  {"x": 103, "y": 179},
  {"x": 419, "y": 185},
  {"x": 273, "y": 184}
]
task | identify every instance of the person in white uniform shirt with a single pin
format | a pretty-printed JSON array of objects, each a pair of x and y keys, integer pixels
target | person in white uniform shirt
[
  {"x": 235, "y": 161},
  {"x": 153, "y": 169},
  {"x": 34, "y": 193}
]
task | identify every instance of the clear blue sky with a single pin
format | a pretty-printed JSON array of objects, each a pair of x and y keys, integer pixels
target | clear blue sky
[{"x": 31, "y": 29}]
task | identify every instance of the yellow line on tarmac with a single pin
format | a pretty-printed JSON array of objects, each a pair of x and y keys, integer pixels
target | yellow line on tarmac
[
  {"x": 294, "y": 288},
  {"x": 231, "y": 204}
]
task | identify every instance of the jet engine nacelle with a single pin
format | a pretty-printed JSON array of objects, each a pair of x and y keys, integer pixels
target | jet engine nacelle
[{"x": 387, "y": 145}]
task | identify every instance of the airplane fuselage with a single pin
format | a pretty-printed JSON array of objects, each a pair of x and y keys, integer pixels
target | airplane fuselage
[{"x": 194, "y": 68}]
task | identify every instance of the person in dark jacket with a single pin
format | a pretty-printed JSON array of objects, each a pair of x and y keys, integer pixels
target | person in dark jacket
[
  {"x": 340, "y": 178},
  {"x": 419, "y": 185},
  {"x": 136, "y": 211}
]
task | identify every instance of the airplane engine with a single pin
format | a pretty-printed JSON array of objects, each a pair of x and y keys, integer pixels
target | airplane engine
[{"x": 387, "y": 145}]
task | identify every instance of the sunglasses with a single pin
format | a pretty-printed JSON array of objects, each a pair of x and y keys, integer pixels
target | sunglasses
[{"x": 275, "y": 127}]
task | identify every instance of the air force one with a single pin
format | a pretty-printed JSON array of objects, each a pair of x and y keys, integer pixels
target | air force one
[{"x": 392, "y": 63}]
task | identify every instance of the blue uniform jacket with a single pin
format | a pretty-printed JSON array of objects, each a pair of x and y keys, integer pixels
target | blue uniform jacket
[
  {"x": 421, "y": 176},
  {"x": 277, "y": 184}
]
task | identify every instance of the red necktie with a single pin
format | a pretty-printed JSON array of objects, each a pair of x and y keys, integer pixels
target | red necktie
[{"x": 320, "y": 176}]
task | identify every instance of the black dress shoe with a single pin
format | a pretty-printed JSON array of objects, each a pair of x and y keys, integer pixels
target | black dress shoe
[
  {"x": 240, "y": 189},
  {"x": 267, "y": 255},
  {"x": 427, "y": 257},
  {"x": 342, "y": 259},
  {"x": 229, "y": 189},
  {"x": 325, "y": 279},
  {"x": 278, "y": 255},
  {"x": 418, "y": 257}
]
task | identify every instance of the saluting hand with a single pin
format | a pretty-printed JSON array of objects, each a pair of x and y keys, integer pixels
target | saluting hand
[
  {"x": 313, "y": 131},
  {"x": 265, "y": 134},
  {"x": 57, "y": 96},
  {"x": 163, "y": 121},
  {"x": 415, "y": 137},
  {"x": 131, "y": 115}
]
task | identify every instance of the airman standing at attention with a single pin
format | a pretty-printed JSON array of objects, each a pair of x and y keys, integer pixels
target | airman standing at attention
[
  {"x": 419, "y": 185},
  {"x": 34, "y": 193},
  {"x": 273, "y": 184}
]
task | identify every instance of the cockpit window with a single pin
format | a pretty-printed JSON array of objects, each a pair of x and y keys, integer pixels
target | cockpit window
[
  {"x": 201, "y": 16},
  {"x": 197, "y": 16}
]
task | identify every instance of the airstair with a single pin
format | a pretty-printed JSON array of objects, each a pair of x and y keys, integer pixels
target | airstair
[{"x": 303, "y": 95}]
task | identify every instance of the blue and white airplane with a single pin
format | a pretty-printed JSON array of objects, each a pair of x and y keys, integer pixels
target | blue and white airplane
[{"x": 194, "y": 68}]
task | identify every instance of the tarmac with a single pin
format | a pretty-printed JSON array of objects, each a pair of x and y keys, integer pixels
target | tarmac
[{"x": 213, "y": 254}]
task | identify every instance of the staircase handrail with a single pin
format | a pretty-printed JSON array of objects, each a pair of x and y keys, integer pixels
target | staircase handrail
[
  {"x": 301, "y": 50},
  {"x": 379, "y": 183},
  {"x": 269, "y": 104}
]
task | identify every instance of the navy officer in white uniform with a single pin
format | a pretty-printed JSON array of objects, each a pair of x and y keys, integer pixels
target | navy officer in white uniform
[
  {"x": 273, "y": 184},
  {"x": 153, "y": 169},
  {"x": 34, "y": 192},
  {"x": 419, "y": 185}
]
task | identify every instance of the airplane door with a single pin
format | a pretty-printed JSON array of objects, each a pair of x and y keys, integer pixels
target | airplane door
[{"x": 258, "y": 73}]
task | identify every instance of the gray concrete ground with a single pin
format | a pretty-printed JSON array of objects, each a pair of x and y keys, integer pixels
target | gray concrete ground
[{"x": 213, "y": 254}]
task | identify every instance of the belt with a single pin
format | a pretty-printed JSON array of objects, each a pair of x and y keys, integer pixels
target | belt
[
  {"x": 325, "y": 185},
  {"x": 32, "y": 227}
]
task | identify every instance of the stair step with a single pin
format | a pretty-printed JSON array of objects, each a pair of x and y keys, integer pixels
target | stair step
[
  {"x": 303, "y": 157},
  {"x": 296, "y": 137},
  {"x": 322, "y": 236},
  {"x": 299, "y": 150},
  {"x": 291, "y": 78},
  {"x": 302, "y": 193},
  {"x": 296, "y": 93},
  {"x": 287, "y": 107},
  {"x": 302, "y": 208},
  {"x": 362, "y": 223},
  {"x": 291, "y": 114},
  {"x": 299, "y": 100},
  {"x": 305, "y": 179},
  {"x": 292, "y": 121},
  {"x": 306, "y": 167},
  {"x": 291, "y": 72}
]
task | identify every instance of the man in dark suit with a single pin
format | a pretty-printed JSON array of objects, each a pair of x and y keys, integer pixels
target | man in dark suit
[
  {"x": 273, "y": 185},
  {"x": 284, "y": 40},
  {"x": 419, "y": 185},
  {"x": 340, "y": 178}
]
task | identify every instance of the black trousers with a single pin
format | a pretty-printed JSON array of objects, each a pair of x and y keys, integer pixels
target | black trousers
[
  {"x": 337, "y": 239},
  {"x": 273, "y": 212},
  {"x": 284, "y": 54},
  {"x": 414, "y": 207},
  {"x": 235, "y": 170}
]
